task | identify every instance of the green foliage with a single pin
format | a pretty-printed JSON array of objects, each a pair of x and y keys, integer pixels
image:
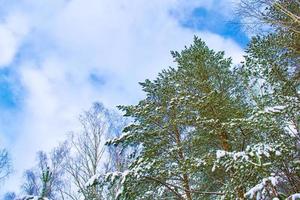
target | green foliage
[
  {"x": 180, "y": 124},
  {"x": 46, "y": 178},
  {"x": 208, "y": 131}
]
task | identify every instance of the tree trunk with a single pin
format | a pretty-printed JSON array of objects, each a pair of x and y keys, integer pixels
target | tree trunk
[
  {"x": 224, "y": 141},
  {"x": 186, "y": 184},
  {"x": 227, "y": 147}
]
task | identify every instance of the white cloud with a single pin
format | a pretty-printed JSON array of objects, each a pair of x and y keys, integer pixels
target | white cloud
[
  {"x": 121, "y": 41},
  {"x": 7, "y": 46},
  {"x": 12, "y": 30}
]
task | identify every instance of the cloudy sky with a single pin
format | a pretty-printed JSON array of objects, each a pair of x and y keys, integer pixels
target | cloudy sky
[{"x": 59, "y": 56}]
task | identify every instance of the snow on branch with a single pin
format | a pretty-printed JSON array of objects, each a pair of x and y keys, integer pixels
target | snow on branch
[{"x": 266, "y": 188}]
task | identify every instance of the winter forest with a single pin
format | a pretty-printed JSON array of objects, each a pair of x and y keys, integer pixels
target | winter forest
[{"x": 206, "y": 128}]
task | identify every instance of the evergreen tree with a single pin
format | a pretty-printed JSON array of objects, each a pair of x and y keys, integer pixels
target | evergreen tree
[
  {"x": 206, "y": 125},
  {"x": 179, "y": 126},
  {"x": 271, "y": 73}
]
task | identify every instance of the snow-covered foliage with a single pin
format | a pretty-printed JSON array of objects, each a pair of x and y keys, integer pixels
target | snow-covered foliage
[
  {"x": 294, "y": 197},
  {"x": 31, "y": 197},
  {"x": 257, "y": 155},
  {"x": 205, "y": 130},
  {"x": 93, "y": 180},
  {"x": 265, "y": 189}
]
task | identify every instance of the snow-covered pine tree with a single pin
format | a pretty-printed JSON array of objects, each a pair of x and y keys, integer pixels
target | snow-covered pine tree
[
  {"x": 271, "y": 72},
  {"x": 268, "y": 168},
  {"x": 179, "y": 126}
]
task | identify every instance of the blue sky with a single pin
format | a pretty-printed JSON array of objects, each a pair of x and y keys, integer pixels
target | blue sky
[
  {"x": 8, "y": 100},
  {"x": 201, "y": 19},
  {"x": 57, "y": 57}
]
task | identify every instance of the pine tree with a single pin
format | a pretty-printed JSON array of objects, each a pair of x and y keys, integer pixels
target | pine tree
[
  {"x": 206, "y": 125},
  {"x": 271, "y": 72},
  {"x": 179, "y": 126}
]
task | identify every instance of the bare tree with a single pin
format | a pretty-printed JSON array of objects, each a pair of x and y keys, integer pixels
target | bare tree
[
  {"x": 87, "y": 153},
  {"x": 47, "y": 178},
  {"x": 5, "y": 164},
  {"x": 10, "y": 196},
  {"x": 258, "y": 14},
  {"x": 63, "y": 173},
  {"x": 31, "y": 186}
]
